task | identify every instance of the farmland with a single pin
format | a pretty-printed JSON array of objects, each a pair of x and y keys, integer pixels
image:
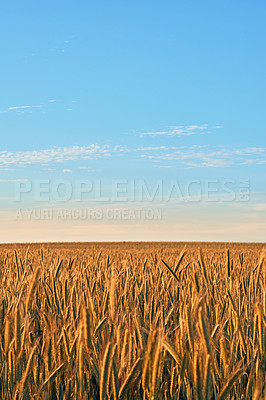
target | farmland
[{"x": 132, "y": 321}]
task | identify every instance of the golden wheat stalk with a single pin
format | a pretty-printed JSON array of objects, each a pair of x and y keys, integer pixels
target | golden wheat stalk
[
  {"x": 229, "y": 384},
  {"x": 130, "y": 379},
  {"x": 106, "y": 364},
  {"x": 32, "y": 289}
]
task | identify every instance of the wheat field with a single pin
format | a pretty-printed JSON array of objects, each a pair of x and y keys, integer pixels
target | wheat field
[{"x": 132, "y": 321}]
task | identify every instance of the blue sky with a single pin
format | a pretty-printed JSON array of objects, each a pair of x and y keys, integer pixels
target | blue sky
[{"x": 149, "y": 91}]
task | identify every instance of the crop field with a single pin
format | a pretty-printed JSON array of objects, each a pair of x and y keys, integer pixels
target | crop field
[{"x": 132, "y": 321}]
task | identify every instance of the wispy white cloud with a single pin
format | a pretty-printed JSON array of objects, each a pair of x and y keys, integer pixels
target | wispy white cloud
[
  {"x": 181, "y": 130},
  {"x": 20, "y": 109},
  {"x": 121, "y": 149},
  {"x": 67, "y": 171},
  {"x": 190, "y": 156},
  {"x": 56, "y": 154},
  {"x": 256, "y": 161},
  {"x": 153, "y": 148},
  {"x": 206, "y": 156},
  {"x": 44, "y": 106}
]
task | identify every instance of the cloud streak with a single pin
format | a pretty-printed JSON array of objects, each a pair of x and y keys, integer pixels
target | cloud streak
[
  {"x": 206, "y": 156},
  {"x": 194, "y": 156},
  {"x": 181, "y": 130},
  {"x": 20, "y": 109},
  {"x": 54, "y": 155}
]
